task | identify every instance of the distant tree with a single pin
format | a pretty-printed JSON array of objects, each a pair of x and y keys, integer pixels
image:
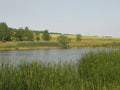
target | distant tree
[
  {"x": 78, "y": 37},
  {"x": 28, "y": 35},
  {"x": 26, "y": 28},
  {"x": 36, "y": 36},
  {"x": 70, "y": 39},
  {"x": 46, "y": 36},
  {"x": 63, "y": 41},
  {"x": 20, "y": 34},
  {"x": 5, "y": 33},
  {"x": 12, "y": 34},
  {"x": 24, "y": 34}
]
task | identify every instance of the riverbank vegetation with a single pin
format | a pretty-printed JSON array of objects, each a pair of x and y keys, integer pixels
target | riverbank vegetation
[
  {"x": 94, "y": 71},
  {"x": 12, "y": 45},
  {"x": 63, "y": 41},
  {"x": 11, "y": 38}
]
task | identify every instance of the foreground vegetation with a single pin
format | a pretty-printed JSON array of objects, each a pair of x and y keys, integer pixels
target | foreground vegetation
[{"x": 94, "y": 71}]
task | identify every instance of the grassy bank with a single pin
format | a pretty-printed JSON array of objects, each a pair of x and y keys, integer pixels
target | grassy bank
[
  {"x": 87, "y": 41},
  {"x": 94, "y": 71},
  {"x": 47, "y": 45},
  {"x": 27, "y": 45}
]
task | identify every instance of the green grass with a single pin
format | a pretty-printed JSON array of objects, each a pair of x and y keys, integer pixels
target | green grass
[
  {"x": 113, "y": 44},
  {"x": 100, "y": 70},
  {"x": 26, "y": 45},
  {"x": 36, "y": 44},
  {"x": 94, "y": 71}
]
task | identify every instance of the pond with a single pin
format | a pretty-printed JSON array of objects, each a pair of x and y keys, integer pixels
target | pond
[{"x": 49, "y": 55}]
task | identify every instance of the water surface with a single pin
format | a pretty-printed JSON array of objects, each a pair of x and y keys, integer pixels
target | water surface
[{"x": 50, "y": 55}]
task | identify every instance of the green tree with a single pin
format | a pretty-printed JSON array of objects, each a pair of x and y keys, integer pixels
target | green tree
[
  {"x": 5, "y": 33},
  {"x": 78, "y": 37},
  {"x": 36, "y": 36},
  {"x": 19, "y": 34},
  {"x": 28, "y": 35},
  {"x": 63, "y": 41},
  {"x": 24, "y": 34},
  {"x": 46, "y": 36},
  {"x": 12, "y": 34}
]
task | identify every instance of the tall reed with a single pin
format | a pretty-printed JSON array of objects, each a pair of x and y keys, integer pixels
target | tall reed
[
  {"x": 36, "y": 44},
  {"x": 100, "y": 70}
]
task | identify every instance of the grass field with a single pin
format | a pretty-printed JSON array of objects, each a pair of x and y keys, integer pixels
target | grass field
[{"x": 94, "y": 71}]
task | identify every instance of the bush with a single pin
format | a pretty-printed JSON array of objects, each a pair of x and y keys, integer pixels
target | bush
[
  {"x": 78, "y": 37},
  {"x": 63, "y": 41}
]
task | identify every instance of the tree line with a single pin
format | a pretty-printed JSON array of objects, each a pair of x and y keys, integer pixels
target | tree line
[
  {"x": 21, "y": 34},
  {"x": 25, "y": 34}
]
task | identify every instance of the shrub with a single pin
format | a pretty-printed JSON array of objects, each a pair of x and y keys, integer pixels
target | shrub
[{"x": 63, "y": 41}]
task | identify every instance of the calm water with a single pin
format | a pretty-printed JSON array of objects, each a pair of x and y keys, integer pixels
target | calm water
[{"x": 50, "y": 55}]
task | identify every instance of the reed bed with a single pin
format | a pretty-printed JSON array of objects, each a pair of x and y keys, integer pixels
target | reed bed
[
  {"x": 100, "y": 70},
  {"x": 36, "y": 44},
  {"x": 94, "y": 71}
]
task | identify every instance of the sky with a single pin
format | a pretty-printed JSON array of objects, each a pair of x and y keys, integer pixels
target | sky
[{"x": 86, "y": 17}]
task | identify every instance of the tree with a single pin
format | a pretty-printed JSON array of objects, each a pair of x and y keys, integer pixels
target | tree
[
  {"x": 28, "y": 35},
  {"x": 20, "y": 34},
  {"x": 46, "y": 36},
  {"x": 12, "y": 34},
  {"x": 36, "y": 36},
  {"x": 78, "y": 37},
  {"x": 63, "y": 41},
  {"x": 24, "y": 34},
  {"x": 5, "y": 33}
]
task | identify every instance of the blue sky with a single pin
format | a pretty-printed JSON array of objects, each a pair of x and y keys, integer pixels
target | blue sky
[{"x": 88, "y": 17}]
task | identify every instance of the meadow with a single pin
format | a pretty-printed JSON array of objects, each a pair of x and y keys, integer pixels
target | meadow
[{"x": 94, "y": 71}]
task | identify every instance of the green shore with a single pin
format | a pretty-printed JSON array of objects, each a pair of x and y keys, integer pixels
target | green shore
[{"x": 28, "y": 45}]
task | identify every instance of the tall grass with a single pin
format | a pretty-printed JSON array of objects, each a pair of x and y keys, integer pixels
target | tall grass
[
  {"x": 36, "y": 44},
  {"x": 113, "y": 44},
  {"x": 100, "y": 70},
  {"x": 94, "y": 71}
]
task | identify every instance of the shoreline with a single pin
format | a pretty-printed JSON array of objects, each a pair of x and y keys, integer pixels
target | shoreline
[
  {"x": 48, "y": 47},
  {"x": 28, "y": 48},
  {"x": 30, "y": 45}
]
